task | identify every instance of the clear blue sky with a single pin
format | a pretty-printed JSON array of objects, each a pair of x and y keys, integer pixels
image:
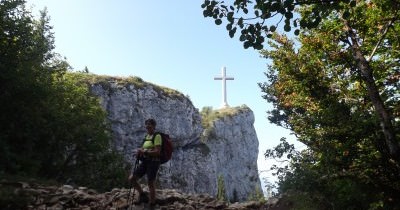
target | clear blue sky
[{"x": 168, "y": 43}]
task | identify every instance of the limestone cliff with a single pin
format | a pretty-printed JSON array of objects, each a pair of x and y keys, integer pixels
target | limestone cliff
[{"x": 228, "y": 148}]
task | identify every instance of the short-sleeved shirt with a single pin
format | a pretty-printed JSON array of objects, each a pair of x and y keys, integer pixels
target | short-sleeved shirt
[{"x": 148, "y": 143}]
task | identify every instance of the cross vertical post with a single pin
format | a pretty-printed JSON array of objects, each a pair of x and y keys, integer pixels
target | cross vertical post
[{"x": 224, "y": 78}]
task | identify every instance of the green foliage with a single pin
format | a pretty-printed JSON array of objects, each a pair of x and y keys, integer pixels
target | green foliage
[
  {"x": 50, "y": 126},
  {"x": 209, "y": 115},
  {"x": 221, "y": 194},
  {"x": 207, "y": 118},
  {"x": 257, "y": 195},
  {"x": 252, "y": 18},
  {"x": 328, "y": 97},
  {"x": 85, "y": 141},
  {"x": 124, "y": 82},
  {"x": 301, "y": 201},
  {"x": 26, "y": 44},
  {"x": 104, "y": 80},
  {"x": 308, "y": 185}
]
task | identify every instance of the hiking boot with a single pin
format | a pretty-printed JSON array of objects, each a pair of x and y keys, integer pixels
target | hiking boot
[
  {"x": 143, "y": 198},
  {"x": 152, "y": 206}
]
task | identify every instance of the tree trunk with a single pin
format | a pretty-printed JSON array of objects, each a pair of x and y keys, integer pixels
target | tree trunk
[{"x": 385, "y": 119}]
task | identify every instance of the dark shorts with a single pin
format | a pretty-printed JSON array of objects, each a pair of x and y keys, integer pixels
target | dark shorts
[{"x": 148, "y": 167}]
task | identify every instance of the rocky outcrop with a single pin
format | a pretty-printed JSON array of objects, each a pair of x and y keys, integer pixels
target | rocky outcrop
[
  {"x": 234, "y": 145},
  {"x": 31, "y": 196},
  {"x": 198, "y": 160}
]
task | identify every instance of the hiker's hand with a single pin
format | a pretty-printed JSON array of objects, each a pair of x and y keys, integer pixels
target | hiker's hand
[{"x": 139, "y": 152}]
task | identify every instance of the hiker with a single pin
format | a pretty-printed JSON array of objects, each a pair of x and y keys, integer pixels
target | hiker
[{"x": 149, "y": 154}]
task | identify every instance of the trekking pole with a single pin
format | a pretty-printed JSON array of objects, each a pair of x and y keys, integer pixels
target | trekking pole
[
  {"x": 129, "y": 195},
  {"x": 131, "y": 198}
]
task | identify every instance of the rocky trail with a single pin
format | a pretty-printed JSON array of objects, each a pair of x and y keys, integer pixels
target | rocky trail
[{"x": 39, "y": 197}]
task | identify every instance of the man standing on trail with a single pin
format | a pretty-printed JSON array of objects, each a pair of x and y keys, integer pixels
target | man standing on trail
[{"x": 149, "y": 154}]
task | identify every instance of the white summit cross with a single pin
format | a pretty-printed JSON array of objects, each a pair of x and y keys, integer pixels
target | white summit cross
[{"x": 224, "y": 78}]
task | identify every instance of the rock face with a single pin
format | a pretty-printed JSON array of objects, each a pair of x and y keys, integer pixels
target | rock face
[
  {"x": 229, "y": 152},
  {"x": 234, "y": 149}
]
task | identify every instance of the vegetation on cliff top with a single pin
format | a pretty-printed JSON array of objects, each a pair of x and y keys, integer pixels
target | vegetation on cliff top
[
  {"x": 107, "y": 81},
  {"x": 208, "y": 116}
]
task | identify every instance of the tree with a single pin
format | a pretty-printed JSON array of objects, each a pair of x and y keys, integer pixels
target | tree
[
  {"x": 25, "y": 46},
  {"x": 50, "y": 125},
  {"x": 361, "y": 42},
  {"x": 320, "y": 92}
]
